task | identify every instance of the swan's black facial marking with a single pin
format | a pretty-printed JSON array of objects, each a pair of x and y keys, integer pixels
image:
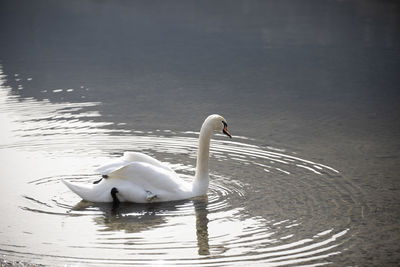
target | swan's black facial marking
[{"x": 225, "y": 130}]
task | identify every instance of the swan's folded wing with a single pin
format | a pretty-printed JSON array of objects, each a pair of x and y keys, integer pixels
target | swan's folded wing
[
  {"x": 112, "y": 166},
  {"x": 151, "y": 178},
  {"x": 128, "y": 158},
  {"x": 140, "y": 157}
]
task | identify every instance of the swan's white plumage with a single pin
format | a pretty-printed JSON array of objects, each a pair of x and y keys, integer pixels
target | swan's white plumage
[
  {"x": 136, "y": 174},
  {"x": 127, "y": 159}
]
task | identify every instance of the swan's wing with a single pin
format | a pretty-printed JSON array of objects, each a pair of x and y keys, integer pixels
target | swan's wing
[
  {"x": 140, "y": 157},
  {"x": 151, "y": 178},
  {"x": 128, "y": 158},
  {"x": 113, "y": 165}
]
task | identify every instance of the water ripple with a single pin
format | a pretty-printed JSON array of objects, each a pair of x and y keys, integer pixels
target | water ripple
[{"x": 228, "y": 229}]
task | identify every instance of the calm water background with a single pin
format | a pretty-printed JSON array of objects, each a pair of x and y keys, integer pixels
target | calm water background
[{"x": 310, "y": 88}]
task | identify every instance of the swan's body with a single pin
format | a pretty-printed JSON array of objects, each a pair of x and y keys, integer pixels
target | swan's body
[{"x": 136, "y": 177}]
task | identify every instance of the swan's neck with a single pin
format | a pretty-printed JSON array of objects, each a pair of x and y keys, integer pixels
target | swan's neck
[{"x": 200, "y": 184}]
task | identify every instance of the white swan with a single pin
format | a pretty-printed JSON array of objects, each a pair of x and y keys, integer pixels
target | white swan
[{"x": 136, "y": 177}]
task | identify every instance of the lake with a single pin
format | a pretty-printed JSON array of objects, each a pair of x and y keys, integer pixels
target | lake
[{"x": 310, "y": 91}]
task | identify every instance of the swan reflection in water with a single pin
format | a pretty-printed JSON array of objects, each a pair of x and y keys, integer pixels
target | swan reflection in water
[{"x": 136, "y": 218}]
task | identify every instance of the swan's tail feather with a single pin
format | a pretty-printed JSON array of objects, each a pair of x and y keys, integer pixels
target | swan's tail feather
[{"x": 84, "y": 191}]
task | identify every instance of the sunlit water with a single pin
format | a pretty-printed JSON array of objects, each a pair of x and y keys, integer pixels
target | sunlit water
[{"x": 265, "y": 205}]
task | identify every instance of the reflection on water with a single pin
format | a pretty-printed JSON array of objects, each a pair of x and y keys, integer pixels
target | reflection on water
[
  {"x": 264, "y": 205},
  {"x": 202, "y": 226}
]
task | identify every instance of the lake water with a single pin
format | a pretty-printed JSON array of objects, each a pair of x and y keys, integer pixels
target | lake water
[{"x": 310, "y": 90}]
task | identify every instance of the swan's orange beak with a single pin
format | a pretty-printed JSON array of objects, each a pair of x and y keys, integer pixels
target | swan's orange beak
[{"x": 225, "y": 131}]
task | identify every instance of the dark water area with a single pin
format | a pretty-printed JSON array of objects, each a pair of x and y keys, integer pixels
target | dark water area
[{"x": 311, "y": 90}]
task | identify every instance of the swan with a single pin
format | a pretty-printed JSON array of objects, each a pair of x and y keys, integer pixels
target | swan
[{"x": 137, "y": 177}]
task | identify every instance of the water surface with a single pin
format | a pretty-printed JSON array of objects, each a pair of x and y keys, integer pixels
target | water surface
[{"x": 225, "y": 227}]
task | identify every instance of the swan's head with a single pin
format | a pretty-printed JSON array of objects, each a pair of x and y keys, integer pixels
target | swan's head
[{"x": 218, "y": 123}]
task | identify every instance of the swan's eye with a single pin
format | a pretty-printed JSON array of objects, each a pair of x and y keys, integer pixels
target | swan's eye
[{"x": 225, "y": 124}]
